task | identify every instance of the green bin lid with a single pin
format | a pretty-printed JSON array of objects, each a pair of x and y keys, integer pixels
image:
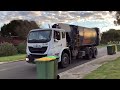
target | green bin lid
[
  {"x": 47, "y": 58},
  {"x": 53, "y": 57}
]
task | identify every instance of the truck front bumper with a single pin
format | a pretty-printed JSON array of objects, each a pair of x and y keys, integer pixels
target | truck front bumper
[{"x": 31, "y": 58}]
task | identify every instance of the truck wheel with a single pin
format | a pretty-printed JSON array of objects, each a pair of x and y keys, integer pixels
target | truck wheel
[
  {"x": 64, "y": 60},
  {"x": 95, "y": 52},
  {"x": 89, "y": 55}
]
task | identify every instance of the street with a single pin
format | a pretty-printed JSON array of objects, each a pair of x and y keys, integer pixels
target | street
[{"x": 24, "y": 70}]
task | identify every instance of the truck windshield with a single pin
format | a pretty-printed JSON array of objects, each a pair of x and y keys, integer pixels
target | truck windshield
[{"x": 39, "y": 36}]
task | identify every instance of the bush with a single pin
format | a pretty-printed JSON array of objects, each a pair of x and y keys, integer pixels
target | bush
[
  {"x": 7, "y": 49},
  {"x": 21, "y": 48}
]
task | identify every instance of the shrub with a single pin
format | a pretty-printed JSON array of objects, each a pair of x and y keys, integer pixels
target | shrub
[
  {"x": 7, "y": 49},
  {"x": 21, "y": 48}
]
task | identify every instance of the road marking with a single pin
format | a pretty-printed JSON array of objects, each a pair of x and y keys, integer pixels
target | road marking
[
  {"x": 4, "y": 69},
  {"x": 12, "y": 61},
  {"x": 2, "y": 62}
]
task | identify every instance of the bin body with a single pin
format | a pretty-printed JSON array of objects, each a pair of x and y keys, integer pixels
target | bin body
[
  {"x": 111, "y": 49},
  {"x": 47, "y": 69},
  {"x": 118, "y": 47}
]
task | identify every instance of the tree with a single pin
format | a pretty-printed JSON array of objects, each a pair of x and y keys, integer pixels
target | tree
[
  {"x": 111, "y": 35},
  {"x": 117, "y": 21},
  {"x": 18, "y": 28}
]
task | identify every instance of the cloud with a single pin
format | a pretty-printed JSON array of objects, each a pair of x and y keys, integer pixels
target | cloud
[
  {"x": 50, "y": 15},
  {"x": 42, "y": 17}
]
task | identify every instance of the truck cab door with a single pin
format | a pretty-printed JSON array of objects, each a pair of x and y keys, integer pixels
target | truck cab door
[{"x": 57, "y": 42}]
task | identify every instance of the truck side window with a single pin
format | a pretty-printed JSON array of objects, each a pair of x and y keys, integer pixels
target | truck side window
[
  {"x": 63, "y": 34},
  {"x": 57, "y": 35}
]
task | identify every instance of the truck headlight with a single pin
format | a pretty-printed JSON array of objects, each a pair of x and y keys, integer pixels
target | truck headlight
[{"x": 27, "y": 59}]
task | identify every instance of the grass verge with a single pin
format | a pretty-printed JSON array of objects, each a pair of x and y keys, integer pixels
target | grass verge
[
  {"x": 110, "y": 70},
  {"x": 13, "y": 58}
]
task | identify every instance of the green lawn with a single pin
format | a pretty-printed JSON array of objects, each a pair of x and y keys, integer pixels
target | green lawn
[
  {"x": 110, "y": 70},
  {"x": 13, "y": 58}
]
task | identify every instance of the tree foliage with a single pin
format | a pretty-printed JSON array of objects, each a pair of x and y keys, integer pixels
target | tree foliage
[
  {"x": 18, "y": 28},
  {"x": 7, "y": 49},
  {"x": 111, "y": 35},
  {"x": 117, "y": 21},
  {"x": 21, "y": 48}
]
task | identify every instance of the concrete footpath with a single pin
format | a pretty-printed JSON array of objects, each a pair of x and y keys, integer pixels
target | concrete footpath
[{"x": 80, "y": 71}]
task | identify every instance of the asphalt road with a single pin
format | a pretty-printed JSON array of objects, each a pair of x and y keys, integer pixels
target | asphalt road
[{"x": 24, "y": 70}]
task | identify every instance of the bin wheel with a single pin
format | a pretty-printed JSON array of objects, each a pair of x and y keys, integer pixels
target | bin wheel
[
  {"x": 64, "y": 60},
  {"x": 58, "y": 77}
]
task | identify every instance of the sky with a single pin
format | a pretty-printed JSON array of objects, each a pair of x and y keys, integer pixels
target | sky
[{"x": 101, "y": 19}]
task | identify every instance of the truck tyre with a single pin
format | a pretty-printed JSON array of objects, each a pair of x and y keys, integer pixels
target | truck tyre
[
  {"x": 95, "y": 52},
  {"x": 64, "y": 60},
  {"x": 90, "y": 54}
]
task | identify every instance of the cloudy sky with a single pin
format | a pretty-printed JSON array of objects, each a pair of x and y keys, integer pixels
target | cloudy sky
[{"x": 102, "y": 19}]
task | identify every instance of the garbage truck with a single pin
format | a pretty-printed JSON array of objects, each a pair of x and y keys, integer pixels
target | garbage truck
[{"x": 66, "y": 41}]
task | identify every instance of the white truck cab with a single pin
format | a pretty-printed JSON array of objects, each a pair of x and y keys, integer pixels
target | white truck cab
[
  {"x": 47, "y": 42},
  {"x": 63, "y": 40}
]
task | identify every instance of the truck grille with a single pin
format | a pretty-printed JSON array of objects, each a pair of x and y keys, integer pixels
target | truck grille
[
  {"x": 38, "y": 56},
  {"x": 37, "y": 50}
]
